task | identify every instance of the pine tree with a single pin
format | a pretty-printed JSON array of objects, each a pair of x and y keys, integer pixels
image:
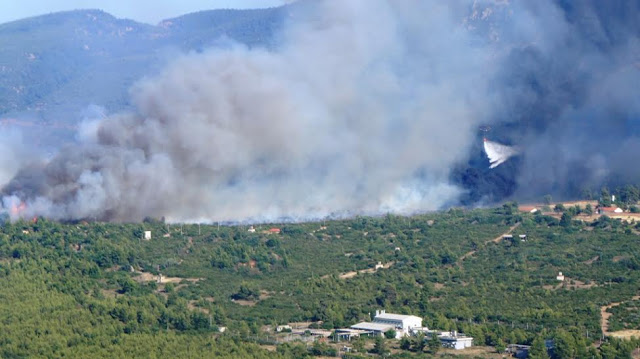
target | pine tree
[
  {"x": 380, "y": 346},
  {"x": 434, "y": 344},
  {"x": 419, "y": 343},
  {"x": 538, "y": 349}
]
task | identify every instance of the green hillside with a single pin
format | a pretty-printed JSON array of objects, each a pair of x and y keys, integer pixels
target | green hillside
[
  {"x": 53, "y": 67},
  {"x": 77, "y": 288}
]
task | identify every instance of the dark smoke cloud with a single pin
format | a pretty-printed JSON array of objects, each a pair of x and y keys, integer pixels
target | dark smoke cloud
[
  {"x": 568, "y": 82},
  {"x": 365, "y": 107},
  {"x": 579, "y": 81}
]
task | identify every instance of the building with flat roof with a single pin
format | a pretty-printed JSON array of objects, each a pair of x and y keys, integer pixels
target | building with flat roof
[
  {"x": 400, "y": 321},
  {"x": 374, "y": 328},
  {"x": 349, "y": 333},
  {"x": 457, "y": 341},
  {"x": 383, "y": 322}
]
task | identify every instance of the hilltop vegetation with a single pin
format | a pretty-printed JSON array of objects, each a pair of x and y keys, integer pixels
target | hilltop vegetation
[
  {"x": 76, "y": 288},
  {"x": 53, "y": 67}
]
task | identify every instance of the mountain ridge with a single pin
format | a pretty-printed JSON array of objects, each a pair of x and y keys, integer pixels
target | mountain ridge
[{"x": 54, "y": 66}]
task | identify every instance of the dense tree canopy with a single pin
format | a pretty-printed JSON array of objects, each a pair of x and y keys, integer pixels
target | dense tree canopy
[{"x": 77, "y": 288}]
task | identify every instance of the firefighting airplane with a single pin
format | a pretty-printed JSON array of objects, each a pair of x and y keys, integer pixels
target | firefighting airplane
[{"x": 498, "y": 153}]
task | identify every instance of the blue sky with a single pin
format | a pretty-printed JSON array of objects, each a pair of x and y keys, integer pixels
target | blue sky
[{"x": 149, "y": 11}]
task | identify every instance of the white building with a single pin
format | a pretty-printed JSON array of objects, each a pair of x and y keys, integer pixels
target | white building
[
  {"x": 456, "y": 341},
  {"x": 383, "y": 322},
  {"x": 400, "y": 321},
  {"x": 560, "y": 277},
  {"x": 147, "y": 235},
  {"x": 281, "y": 328}
]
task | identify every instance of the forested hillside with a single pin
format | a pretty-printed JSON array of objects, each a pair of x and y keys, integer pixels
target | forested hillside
[
  {"x": 77, "y": 288},
  {"x": 53, "y": 67}
]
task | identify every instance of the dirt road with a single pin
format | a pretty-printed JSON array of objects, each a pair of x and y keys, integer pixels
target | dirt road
[
  {"x": 495, "y": 240},
  {"x": 604, "y": 321}
]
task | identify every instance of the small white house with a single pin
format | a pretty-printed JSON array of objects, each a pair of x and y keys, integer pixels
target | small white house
[
  {"x": 251, "y": 230},
  {"x": 281, "y": 328},
  {"x": 147, "y": 235},
  {"x": 560, "y": 277},
  {"x": 523, "y": 237},
  {"x": 456, "y": 341}
]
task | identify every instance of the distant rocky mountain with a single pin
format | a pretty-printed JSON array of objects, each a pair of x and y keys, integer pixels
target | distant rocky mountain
[{"x": 53, "y": 67}]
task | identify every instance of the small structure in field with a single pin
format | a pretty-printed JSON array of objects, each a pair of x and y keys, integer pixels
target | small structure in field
[
  {"x": 283, "y": 328},
  {"x": 609, "y": 210},
  {"x": 528, "y": 209}
]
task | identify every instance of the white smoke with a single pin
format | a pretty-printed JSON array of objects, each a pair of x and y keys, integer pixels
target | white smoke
[
  {"x": 498, "y": 153},
  {"x": 12, "y": 154},
  {"x": 363, "y": 109}
]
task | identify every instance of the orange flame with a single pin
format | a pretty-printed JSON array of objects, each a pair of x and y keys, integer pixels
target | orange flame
[{"x": 18, "y": 209}]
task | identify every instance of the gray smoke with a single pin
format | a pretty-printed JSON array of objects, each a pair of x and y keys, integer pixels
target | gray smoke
[
  {"x": 582, "y": 74},
  {"x": 364, "y": 108},
  {"x": 12, "y": 153}
]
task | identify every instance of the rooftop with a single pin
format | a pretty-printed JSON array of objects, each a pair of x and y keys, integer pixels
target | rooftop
[
  {"x": 373, "y": 326},
  {"x": 389, "y": 316},
  {"x": 610, "y": 209},
  {"x": 448, "y": 338}
]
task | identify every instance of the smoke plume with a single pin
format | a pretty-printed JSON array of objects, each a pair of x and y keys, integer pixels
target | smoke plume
[
  {"x": 584, "y": 126},
  {"x": 12, "y": 152},
  {"x": 364, "y": 107}
]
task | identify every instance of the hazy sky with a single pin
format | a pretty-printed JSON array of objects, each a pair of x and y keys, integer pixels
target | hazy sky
[{"x": 149, "y": 11}]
